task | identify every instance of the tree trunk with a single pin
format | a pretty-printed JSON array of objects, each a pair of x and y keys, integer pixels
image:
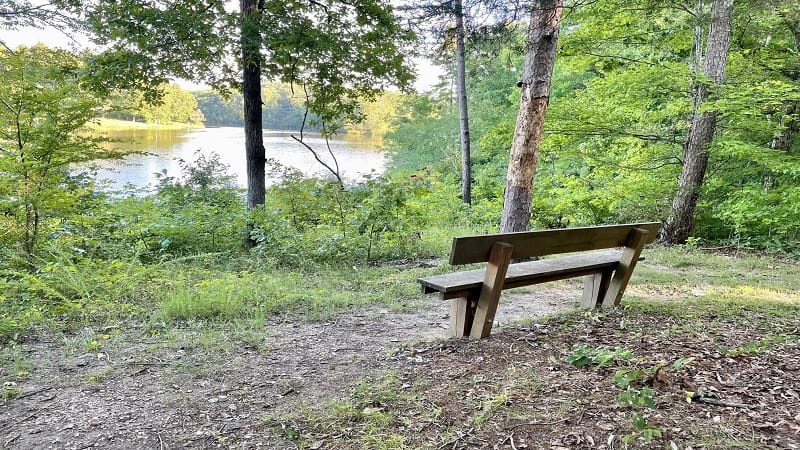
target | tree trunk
[
  {"x": 251, "y": 93},
  {"x": 537, "y": 72},
  {"x": 696, "y": 149},
  {"x": 461, "y": 75},
  {"x": 784, "y": 140}
]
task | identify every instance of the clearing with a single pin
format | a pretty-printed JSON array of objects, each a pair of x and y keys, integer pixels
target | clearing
[{"x": 704, "y": 355}]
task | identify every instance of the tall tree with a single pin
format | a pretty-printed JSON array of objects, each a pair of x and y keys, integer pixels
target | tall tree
[
  {"x": 335, "y": 51},
  {"x": 709, "y": 65},
  {"x": 255, "y": 153},
  {"x": 450, "y": 23},
  {"x": 540, "y": 54},
  {"x": 176, "y": 105},
  {"x": 461, "y": 92},
  {"x": 615, "y": 145},
  {"x": 43, "y": 110}
]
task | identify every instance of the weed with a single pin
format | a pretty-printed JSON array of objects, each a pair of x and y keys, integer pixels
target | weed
[
  {"x": 379, "y": 412},
  {"x": 98, "y": 377},
  {"x": 380, "y": 440},
  {"x": 757, "y": 347},
  {"x": 634, "y": 398},
  {"x": 14, "y": 361},
  {"x": 490, "y": 406},
  {"x": 647, "y": 431},
  {"x": 86, "y": 341},
  {"x": 10, "y": 391},
  {"x": 583, "y": 355},
  {"x": 290, "y": 432},
  {"x": 523, "y": 379},
  {"x": 680, "y": 363},
  {"x": 626, "y": 376}
]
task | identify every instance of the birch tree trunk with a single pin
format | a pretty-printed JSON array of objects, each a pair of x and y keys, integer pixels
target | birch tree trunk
[
  {"x": 461, "y": 82},
  {"x": 540, "y": 55},
  {"x": 251, "y": 92},
  {"x": 696, "y": 148}
]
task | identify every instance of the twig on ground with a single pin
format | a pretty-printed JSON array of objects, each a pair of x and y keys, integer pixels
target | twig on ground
[
  {"x": 715, "y": 402},
  {"x": 34, "y": 392},
  {"x": 541, "y": 423},
  {"x": 566, "y": 419},
  {"x": 12, "y": 439},
  {"x": 510, "y": 439},
  {"x": 455, "y": 441}
]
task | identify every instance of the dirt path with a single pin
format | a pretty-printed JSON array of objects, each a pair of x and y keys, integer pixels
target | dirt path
[{"x": 160, "y": 394}]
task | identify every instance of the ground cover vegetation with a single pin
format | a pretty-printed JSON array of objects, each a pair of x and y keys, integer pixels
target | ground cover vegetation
[
  {"x": 88, "y": 272},
  {"x": 704, "y": 353},
  {"x": 625, "y": 379}
]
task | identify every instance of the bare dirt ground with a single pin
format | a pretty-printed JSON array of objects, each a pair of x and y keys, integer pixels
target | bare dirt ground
[
  {"x": 151, "y": 394},
  {"x": 512, "y": 391}
]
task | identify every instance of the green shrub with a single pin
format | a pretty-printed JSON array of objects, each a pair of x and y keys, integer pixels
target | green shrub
[
  {"x": 68, "y": 290},
  {"x": 206, "y": 300},
  {"x": 316, "y": 221}
]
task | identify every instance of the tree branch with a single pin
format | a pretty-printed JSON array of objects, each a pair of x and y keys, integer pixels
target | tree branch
[
  {"x": 319, "y": 160},
  {"x": 302, "y": 142}
]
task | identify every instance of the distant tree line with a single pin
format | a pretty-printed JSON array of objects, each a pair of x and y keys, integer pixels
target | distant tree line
[
  {"x": 283, "y": 109},
  {"x": 175, "y": 105}
]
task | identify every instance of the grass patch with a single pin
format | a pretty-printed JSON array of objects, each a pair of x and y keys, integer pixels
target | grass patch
[
  {"x": 679, "y": 266},
  {"x": 225, "y": 296},
  {"x": 381, "y": 411},
  {"x": 14, "y": 362},
  {"x": 207, "y": 300}
]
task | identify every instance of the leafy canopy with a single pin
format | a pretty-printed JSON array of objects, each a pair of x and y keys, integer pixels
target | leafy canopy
[{"x": 334, "y": 52}]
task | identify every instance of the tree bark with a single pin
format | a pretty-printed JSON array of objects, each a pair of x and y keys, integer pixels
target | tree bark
[
  {"x": 540, "y": 55},
  {"x": 255, "y": 154},
  {"x": 461, "y": 82},
  {"x": 679, "y": 224}
]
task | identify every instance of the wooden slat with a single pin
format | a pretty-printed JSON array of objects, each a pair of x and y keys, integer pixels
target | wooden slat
[
  {"x": 526, "y": 273},
  {"x": 474, "y": 249}
]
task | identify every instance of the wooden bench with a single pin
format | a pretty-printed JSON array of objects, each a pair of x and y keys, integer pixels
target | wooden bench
[{"x": 474, "y": 294}]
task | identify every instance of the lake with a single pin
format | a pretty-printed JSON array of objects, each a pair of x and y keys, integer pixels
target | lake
[{"x": 357, "y": 156}]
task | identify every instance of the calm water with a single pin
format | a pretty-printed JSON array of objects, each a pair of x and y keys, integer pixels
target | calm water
[{"x": 357, "y": 156}]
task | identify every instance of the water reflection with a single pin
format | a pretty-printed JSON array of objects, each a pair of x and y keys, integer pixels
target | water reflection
[{"x": 164, "y": 148}]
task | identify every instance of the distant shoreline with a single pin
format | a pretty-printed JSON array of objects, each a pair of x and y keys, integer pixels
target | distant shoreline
[{"x": 103, "y": 124}]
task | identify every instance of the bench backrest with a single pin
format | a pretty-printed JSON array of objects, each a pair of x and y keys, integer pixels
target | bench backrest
[{"x": 527, "y": 244}]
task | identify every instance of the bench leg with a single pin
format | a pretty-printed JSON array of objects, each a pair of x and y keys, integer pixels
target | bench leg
[
  {"x": 462, "y": 313},
  {"x": 490, "y": 290},
  {"x": 630, "y": 256},
  {"x": 595, "y": 287}
]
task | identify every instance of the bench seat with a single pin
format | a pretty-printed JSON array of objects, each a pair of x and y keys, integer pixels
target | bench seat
[{"x": 453, "y": 285}]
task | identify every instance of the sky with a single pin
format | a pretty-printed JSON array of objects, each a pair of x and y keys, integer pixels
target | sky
[{"x": 427, "y": 73}]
